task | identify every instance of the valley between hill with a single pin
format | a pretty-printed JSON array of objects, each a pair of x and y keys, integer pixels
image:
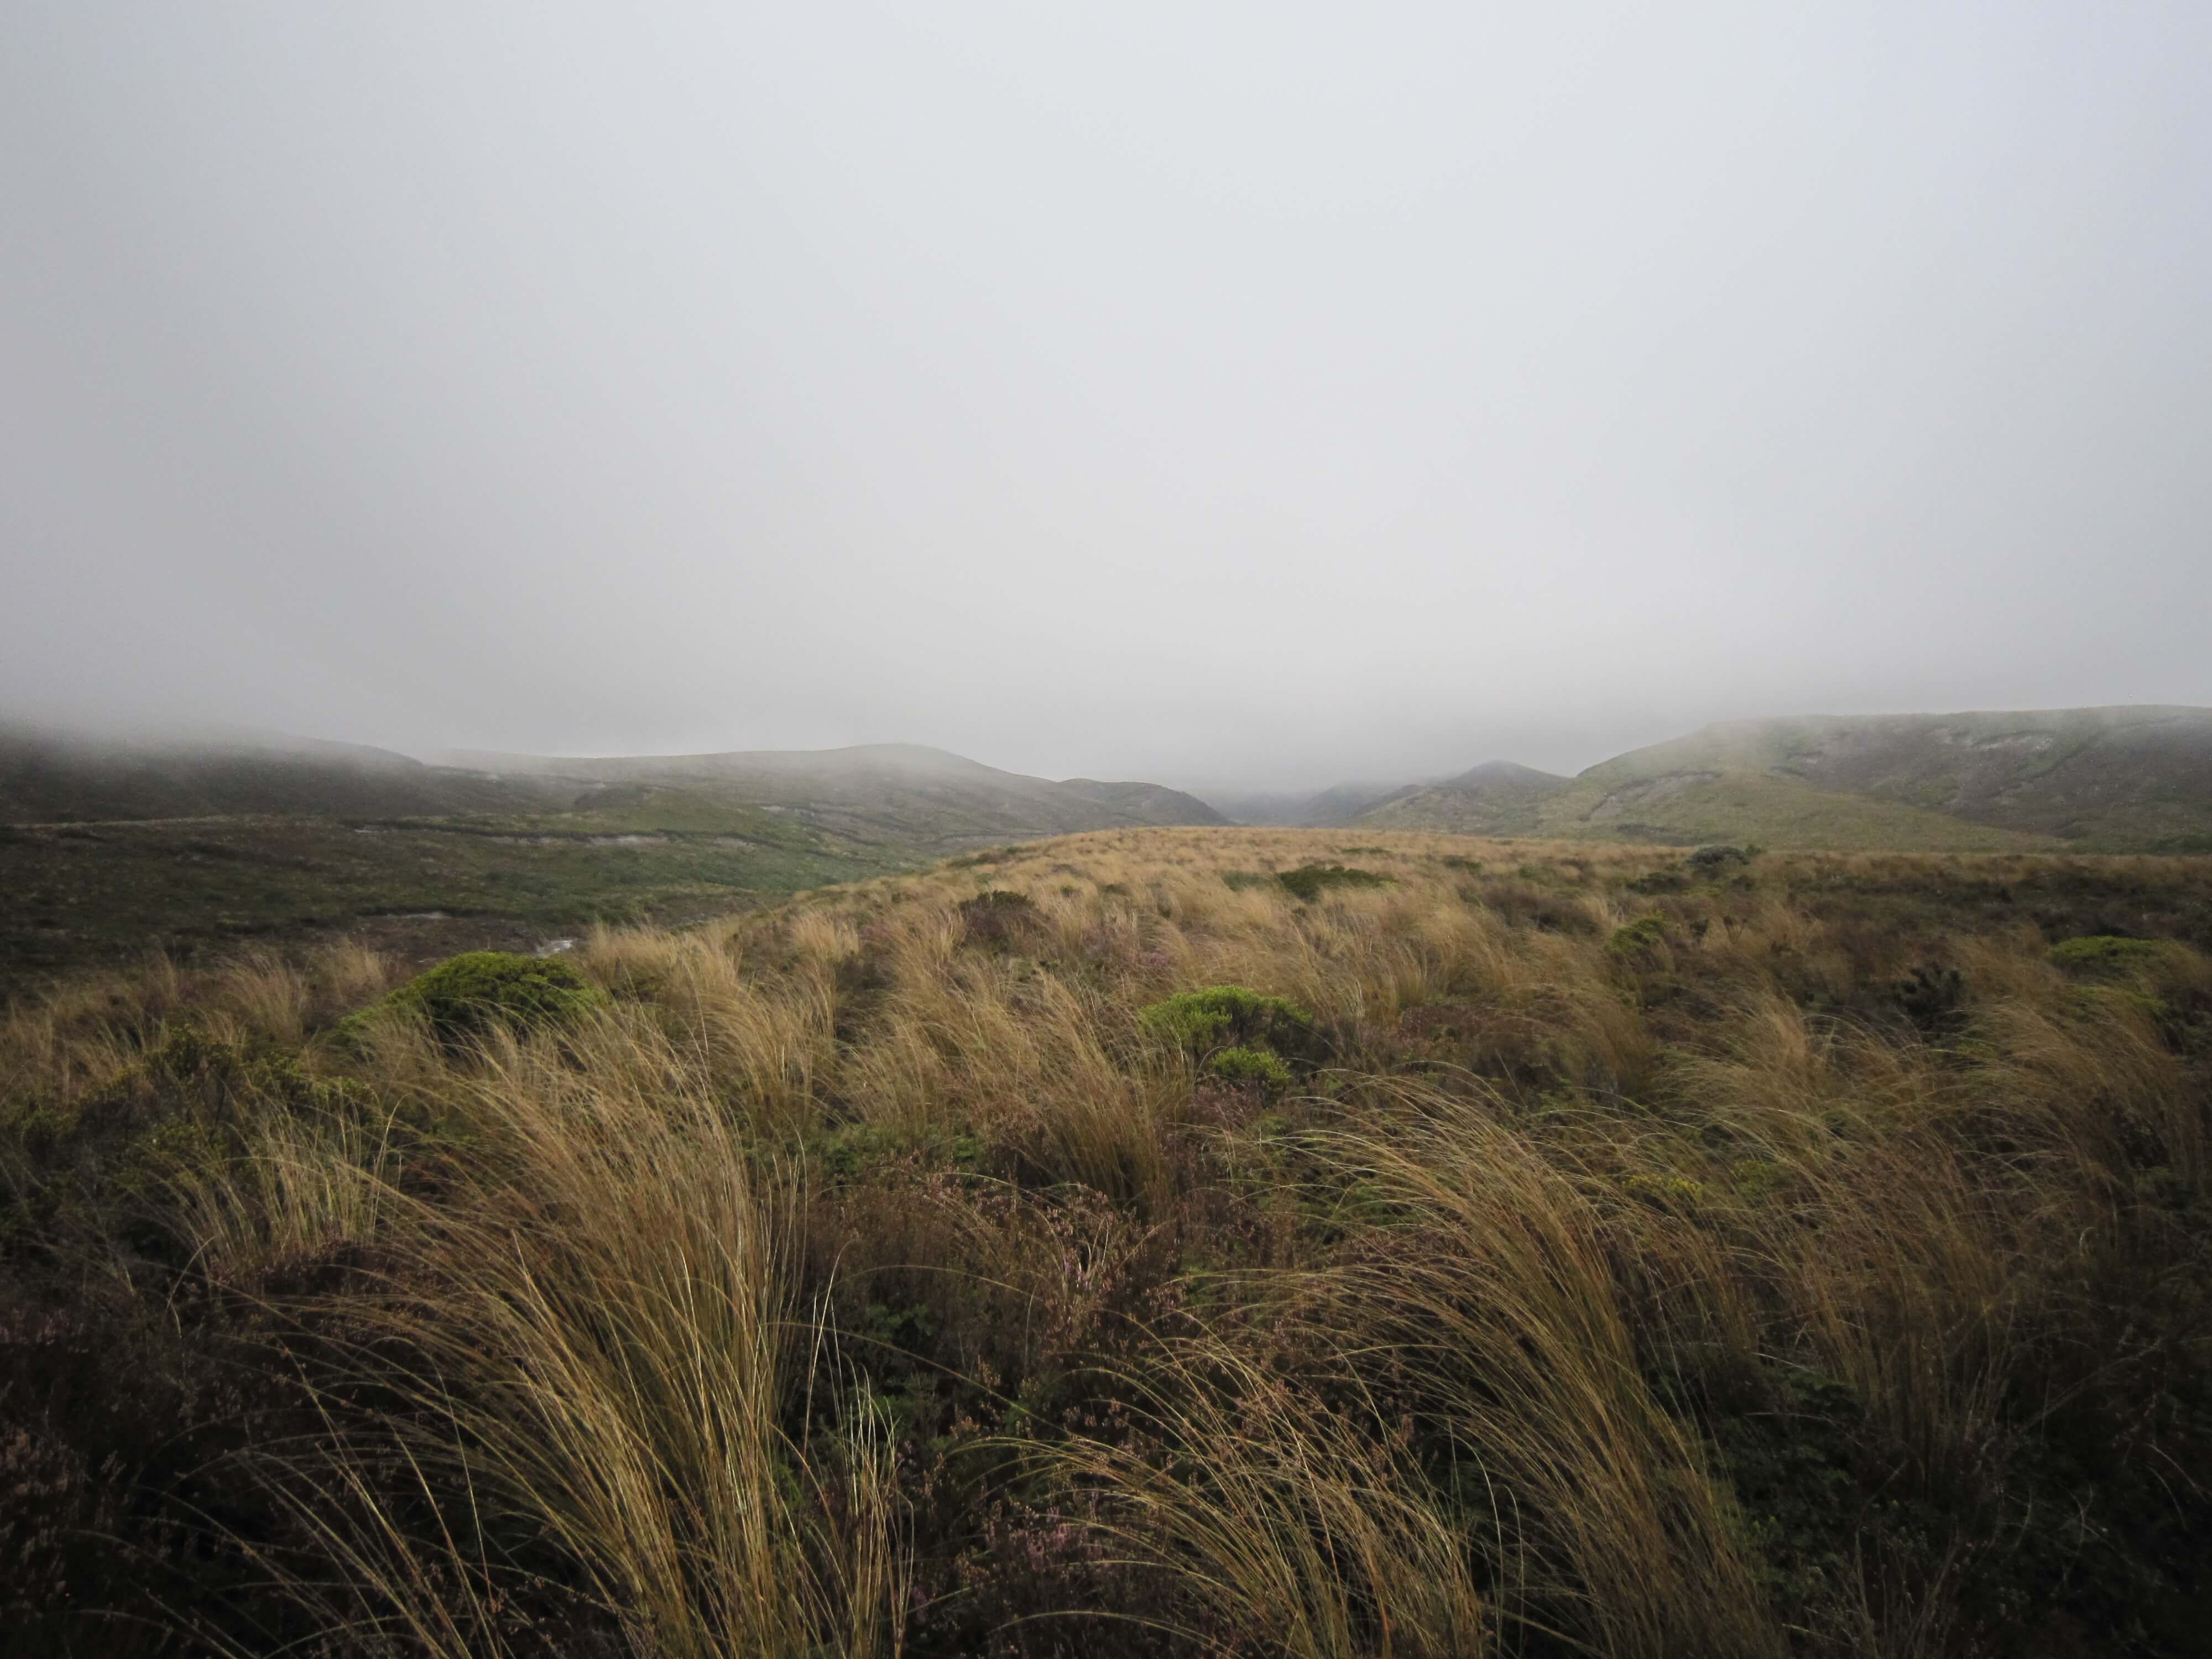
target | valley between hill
[{"x": 109, "y": 850}]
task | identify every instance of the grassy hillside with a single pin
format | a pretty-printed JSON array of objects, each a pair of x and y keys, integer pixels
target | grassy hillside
[
  {"x": 2135, "y": 777},
  {"x": 1094, "y": 1247},
  {"x": 1688, "y": 806},
  {"x": 2117, "y": 780},
  {"x": 894, "y": 791}
]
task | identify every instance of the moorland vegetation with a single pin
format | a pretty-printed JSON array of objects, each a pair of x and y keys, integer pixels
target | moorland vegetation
[{"x": 1102, "y": 1246}]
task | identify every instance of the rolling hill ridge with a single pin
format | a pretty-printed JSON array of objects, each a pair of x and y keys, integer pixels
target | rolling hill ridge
[{"x": 2119, "y": 779}]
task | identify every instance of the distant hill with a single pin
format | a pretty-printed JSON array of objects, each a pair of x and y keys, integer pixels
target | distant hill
[
  {"x": 2119, "y": 779},
  {"x": 1497, "y": 798},
  {"x": 873, "y": 792},
  {"x": 1340, "y": 805},
  {"x": 2139, "y": 776},
  {"x": 54, "y": 778}
]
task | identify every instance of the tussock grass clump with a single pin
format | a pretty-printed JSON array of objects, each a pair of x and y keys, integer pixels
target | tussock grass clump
[{"x": 1527, "y": 1255}]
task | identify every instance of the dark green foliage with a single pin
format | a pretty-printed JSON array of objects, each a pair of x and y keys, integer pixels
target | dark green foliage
[
  {"x": 1242, "y": 881},
  {"x": 1711, "y": 862},
  {"x": 1308, "y": 880},
  {"x": 1460, "y": 861},
  {"x": 1242, "y": 1064},
  {"x": 478, "y": 990}
]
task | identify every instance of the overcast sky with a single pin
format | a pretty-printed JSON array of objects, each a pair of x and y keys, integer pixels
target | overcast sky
[{"x": 1257, "y": 394}]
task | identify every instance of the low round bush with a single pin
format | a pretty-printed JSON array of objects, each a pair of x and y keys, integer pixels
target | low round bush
[
  {"x": 1228, "y": 1015},
  {"x": 477, "y": 990}
]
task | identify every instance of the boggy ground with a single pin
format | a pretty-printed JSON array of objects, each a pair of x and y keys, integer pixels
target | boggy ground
[{"x": 1623, "y": 1253}]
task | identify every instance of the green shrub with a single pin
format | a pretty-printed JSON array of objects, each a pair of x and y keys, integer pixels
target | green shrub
[
  {"x": 1250, "y": 1066},
  {"x": 1307, "y": 881},
  {"x": 1460, "y": 861},
  {"x": 1640, "y": 938},
  {"x": 1242, "y": 880},
  {"x": 1228, "y": 1015},
  {"x": 477, "y": 990}
]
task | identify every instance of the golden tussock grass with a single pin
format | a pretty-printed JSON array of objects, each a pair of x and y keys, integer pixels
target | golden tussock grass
[{"x": 1640, "y": 1261}]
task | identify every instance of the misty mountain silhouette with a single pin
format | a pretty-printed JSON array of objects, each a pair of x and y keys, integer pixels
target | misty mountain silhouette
[{"x": 872, "y": 793}]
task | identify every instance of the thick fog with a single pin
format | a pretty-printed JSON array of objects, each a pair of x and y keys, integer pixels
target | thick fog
[{"x": 1258, "y": 394}]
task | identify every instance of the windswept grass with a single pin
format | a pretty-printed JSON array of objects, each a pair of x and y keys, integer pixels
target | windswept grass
[{"x": 1537, "y": 1250}]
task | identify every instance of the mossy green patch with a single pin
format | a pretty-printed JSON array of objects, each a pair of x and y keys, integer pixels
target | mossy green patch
[{"x": 2107, "y": 954}]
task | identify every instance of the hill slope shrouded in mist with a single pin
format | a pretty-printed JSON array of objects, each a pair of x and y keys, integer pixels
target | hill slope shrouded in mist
[
  {"x": 54, "y": 778},
  {"x": 2119, "y": 779},
  {"x": 897, "y": 791},
  {"x": 892, "y": 792}
]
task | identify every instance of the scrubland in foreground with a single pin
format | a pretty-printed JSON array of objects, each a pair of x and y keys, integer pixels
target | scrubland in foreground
[{"x": 1593, "y": 1251}]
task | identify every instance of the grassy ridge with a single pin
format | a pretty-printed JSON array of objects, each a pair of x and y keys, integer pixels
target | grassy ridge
[
  {"x": 1621, "y": 1254},
  {"x": 2107, "y": 779},
  {"x": 1685, "y": 809}
]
